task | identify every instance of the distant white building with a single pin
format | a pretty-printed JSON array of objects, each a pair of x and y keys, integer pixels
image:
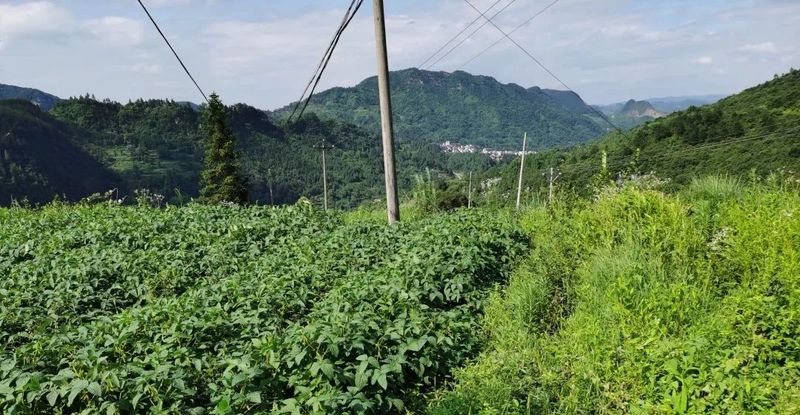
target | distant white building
[{"x": 496, "y": 155}]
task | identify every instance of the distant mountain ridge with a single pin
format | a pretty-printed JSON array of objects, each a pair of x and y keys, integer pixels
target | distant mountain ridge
[
  {"x": 568, "y": 99},
  {"x": 43, "y": 100},
  {"x": 666, "y": 105},
  {"x": 640, "y": 109},
  {"x": 463, "y": 108},
  {"x": 672, "y": 104}
]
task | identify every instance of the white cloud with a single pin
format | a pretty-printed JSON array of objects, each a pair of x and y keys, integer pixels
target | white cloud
[
  {"x": 118, "y": 31},
  {"x": 263, "y": 52},
  {"x": 30, "y": 19},
  {"x": 704, "y": 60},
  {"x": 162, "y": 3},
  {"x": 146, "y": 68},
  {"x": 766, "y": 47}
]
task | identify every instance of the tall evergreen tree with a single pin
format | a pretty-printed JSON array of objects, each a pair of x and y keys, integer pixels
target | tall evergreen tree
[{"x": 221, "y": 179}]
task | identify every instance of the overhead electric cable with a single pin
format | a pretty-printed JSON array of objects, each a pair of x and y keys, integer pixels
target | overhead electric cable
[
  {"x": 672, "y": 155},
  {"x": 457, "y": 35},
  {"x": 520, "y": 26},
  {"x": 489, "y": 20},
  {"x": 328, "y": 51},
  {"x": 541, "y": 65},
  {"x": 725, "y": 142},
  {"x": 173, "y": 50},
  {"x": 355, "y": 5}
]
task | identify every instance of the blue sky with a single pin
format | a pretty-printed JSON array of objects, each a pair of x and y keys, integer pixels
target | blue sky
[{"x": 263, "y": 51}]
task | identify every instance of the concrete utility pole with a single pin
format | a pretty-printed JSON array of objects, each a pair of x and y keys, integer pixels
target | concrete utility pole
[
  {"x": 269, "y": 183},
  {"x": 551, "y": 180},
  {"x": 521, "y": 168},
  {"x": 324, "y": 146},
  {"x": 392, "y": 205},
  {"x": 469, "y": 192}
]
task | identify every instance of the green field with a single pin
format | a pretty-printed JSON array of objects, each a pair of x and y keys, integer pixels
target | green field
[
  {"x": 634, "y": 302},
  {"x": 215, "y": 309}
]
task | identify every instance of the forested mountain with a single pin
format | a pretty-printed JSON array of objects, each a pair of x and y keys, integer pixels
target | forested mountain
[
  {"x": 757, "y": 129},
  {"x": 464, "y": 108},
  {"x": 44, "y": 100},
  {"x": 567, "y": 99},
  {"x": 39, "y": 159},
  {"x": 158, "y": 145}
]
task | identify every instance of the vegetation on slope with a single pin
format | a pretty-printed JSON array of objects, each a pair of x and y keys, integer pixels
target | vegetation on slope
[
  {"x": 228, "y": 310},
  {"x": 158, "y": 145},
  {"x": 39, "y": 161},
  {"x": 645, "y": 303},
  {"x": 460, "y": 107},
  {"x": 758, "y": 129}
]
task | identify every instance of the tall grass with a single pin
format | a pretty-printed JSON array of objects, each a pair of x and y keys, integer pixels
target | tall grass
[{"x": 646, "y": 303}]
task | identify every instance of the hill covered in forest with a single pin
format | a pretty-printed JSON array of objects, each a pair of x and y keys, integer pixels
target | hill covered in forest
[
  {"x": 40, "y": 160},
  {"x": 158, "y": 145},
  {"x": 755, "y": 130},
  {"x": 464, "y": 108}
]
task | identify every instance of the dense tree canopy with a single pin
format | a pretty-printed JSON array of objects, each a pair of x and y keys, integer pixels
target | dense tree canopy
[{"x": 221, "y": 179}]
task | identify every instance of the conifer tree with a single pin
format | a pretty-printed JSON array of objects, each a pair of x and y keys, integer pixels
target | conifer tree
[{"x": 221, "y": 178}]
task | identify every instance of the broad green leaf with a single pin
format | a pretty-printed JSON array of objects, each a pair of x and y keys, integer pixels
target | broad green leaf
[{"x": 254, "y": 397}]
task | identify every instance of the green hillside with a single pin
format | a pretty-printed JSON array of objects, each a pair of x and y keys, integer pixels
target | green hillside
[
  {"x": 757, "y": 129},
  {"x": 157, "y": 145},
  {"x": 39, "y": 160},
  {"x": 460, "y": 107},
  {"x": 43, "y": 100}
]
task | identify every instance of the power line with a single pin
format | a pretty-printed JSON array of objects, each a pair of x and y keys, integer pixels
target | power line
[
  {"x": 520, "y": 26},
  {"x": 355, "y": 5},
  {"x": 489, "y": 20},
  {"x": 327, "y": 52},
  {"x": 173, "y": 50},
  {"x": 533, "y": 58},
  {"x": 457, "y": 35},
  {"x": 723, "y": 143},
  {"x": 701, "y": 147}
]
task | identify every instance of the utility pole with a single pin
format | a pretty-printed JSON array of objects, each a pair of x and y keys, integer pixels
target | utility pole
[
  {"x": 269, "y": 183},
  {"x": 392, "y": 205},
  {"x": 469, "y": 192},
  {"x": 551, "y": 180},
  {"x": 322, "y": 147},
  {"x": 521, "y": 168}
]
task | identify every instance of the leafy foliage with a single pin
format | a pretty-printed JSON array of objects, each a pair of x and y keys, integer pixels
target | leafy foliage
[
  {"x": 38, "y": 161},
  {"x": 158, "y": 145},
  {"x": 221, "y": 180},
  {"x": 227, "y": 309},
  {"x": 645, "y": 303}
]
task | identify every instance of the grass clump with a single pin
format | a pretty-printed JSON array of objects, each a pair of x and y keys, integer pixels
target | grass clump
[{"x": 646, "y": 303}]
